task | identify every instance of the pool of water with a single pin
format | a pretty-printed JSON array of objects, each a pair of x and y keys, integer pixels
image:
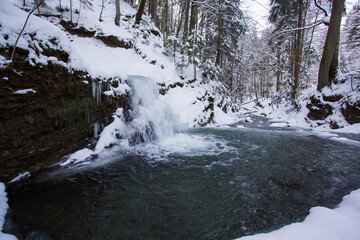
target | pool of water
[{"x": 207, "y": 183}]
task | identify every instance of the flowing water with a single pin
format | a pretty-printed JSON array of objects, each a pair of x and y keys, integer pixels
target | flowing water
[
  {"x": 205, "y": 183},
  {"x": 208, "y": 183}
]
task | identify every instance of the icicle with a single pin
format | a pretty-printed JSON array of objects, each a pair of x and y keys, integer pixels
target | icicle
[{"x": 97, "y": 91}]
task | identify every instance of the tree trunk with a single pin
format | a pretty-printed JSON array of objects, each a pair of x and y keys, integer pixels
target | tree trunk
[
  {"x": 220, "y": 27},
  {"x": 194, "y": 16},
  {"x": 180, "y": 23},
  {"x": 329, "y": 59},
  {"x": 186, "y": 21},
  {"x": 165, "y": 16},
  {"x": 298, "y": 50},
  {"x": 278, "y": 81},
  {"x": 71, "y": 11},
  {"x": 153, "y": 10},
  {"x": 117, "y": 14},
  {"x": 140, "y": 12}
]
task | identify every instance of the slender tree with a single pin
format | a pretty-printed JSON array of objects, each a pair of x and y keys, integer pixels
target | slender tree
[
  {"x": 140, "y": 12},
  {"x": 117, "y": 12}
]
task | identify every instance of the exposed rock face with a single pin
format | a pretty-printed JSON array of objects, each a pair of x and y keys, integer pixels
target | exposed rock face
[
  {"x": 38, "y": 128},
  {"x": 323, "y": 106},
  {"x": 351, "y": 112},
  {"x": 318, "y": 110}
]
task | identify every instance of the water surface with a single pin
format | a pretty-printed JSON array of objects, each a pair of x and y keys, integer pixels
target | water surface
[{"x": 208, "y": 183}]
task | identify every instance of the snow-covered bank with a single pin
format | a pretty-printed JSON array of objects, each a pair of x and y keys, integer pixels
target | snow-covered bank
[
  {"x": 322, "y": 223},
  {"x": 336, "y": 108},
  {"x": 3, "y": 209}
]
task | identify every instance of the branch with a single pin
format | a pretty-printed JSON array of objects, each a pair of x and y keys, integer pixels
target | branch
[
  {"x": 297, "y": 29},
  {"x": 22, "y": 30},
  {"x": 321, "y": 8}
]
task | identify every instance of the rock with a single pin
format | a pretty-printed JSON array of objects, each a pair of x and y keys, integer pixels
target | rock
[
  {"x": 112, "y": 41},
  {"x": 318, "y": 110},
  {"x": 351, "y": 112},
  {"x": 333, "y": 98},
  {"x": 49, "y": 124},
  {"x": 79, "y": 31}
]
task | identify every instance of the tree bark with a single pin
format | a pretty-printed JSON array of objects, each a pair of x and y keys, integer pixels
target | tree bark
[
  {"x": 329, "y": 60},
  {"x": 117, "y": 12},
  {"x": 220, "y": 27},
  {"x": 140, "y": 12},
  {"x": 186, "y": 21},
  {"x": 153, "y": 10},
  {"x": 194, "y": 16},
  {"x": 180, "y": 22},
  {"x": 298, "y": 50},
  {"x": 165, "y": 16}
]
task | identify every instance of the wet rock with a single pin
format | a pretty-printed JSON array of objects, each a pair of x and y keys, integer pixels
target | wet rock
[
  {"x": 318, "y": 110},
  {"x": 285, "y": 182},
  {"x": 37, "y": 129},
  {"x": 351, "y": 112}
]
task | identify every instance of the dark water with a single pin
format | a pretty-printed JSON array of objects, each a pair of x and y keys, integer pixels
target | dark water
[{"x": 244, "y": 181}]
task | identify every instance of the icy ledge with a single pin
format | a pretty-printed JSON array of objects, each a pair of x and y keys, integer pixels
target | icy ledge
[
  {"x": 322, "y": 223},
  {"x": 3, "y": 209}
]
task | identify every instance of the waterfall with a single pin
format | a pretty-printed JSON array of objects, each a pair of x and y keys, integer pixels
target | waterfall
[
  {"x": 148, "y": 118},
  {"x": 151, "y": 116}
]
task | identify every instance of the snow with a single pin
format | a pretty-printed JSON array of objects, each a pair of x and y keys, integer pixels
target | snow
[
  {"x": 25, "y": 91},
  {"x": 279, "y": 124},
  {"x": 322, "y": 223},
  {"x": 3, "y": 209},
  {"x": 78, "y": 156},
  {"x": 20, "y": 176}
]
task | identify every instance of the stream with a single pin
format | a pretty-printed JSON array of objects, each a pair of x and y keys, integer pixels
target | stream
[
  {"x": 152, "y": 180},
  {"x": 204, "y": 183}
]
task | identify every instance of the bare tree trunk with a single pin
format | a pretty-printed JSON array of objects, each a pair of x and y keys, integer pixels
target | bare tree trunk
[
  {"x": 277, "y": 81},
  {"x": 77, "y": 20},
  {"x": 186, "y": 22},
  {"x": 153, "y": 10},
  {"x": 22, "y": 30},
  {"x": 140, "y": 12},
  {"x": 180, "y": 22},
  {"x": 61, "y": 10},
  {"x": 329, "y": 59},
  {"x": 117, "y": 12},
  {"x": 71, "y": 10},
  {"x": 298, "y": 50},
  {"x": 194, "y": 16},
  {"x": 220, "y": 27},
  {"x": 165, "y": 16}
]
